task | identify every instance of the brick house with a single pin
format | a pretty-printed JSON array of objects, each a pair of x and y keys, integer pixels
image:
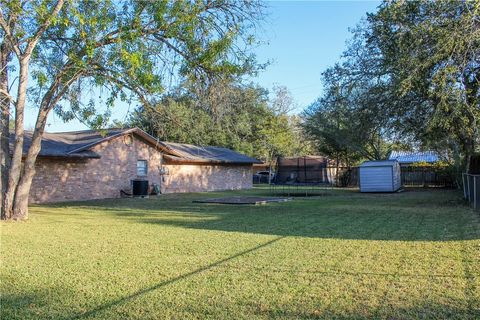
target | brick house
[{"x": 84, "y": 165}]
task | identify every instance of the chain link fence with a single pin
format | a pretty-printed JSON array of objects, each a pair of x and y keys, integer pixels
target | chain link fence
[{"x": 471, "y": 189}]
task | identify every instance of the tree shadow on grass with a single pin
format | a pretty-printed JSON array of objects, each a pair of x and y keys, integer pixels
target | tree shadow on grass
[
  {"x": 33, "y": 305},
  {"x": 398, "y": 225},
  {"x": 358, "y": 218},
  {"x": 412, "y": 216},
  {"x": 112, "y": 304},
  {"x": 36, "y": 304}
]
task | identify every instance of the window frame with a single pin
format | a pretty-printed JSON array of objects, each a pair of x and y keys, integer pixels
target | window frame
[{"x": 144, "y": 168}]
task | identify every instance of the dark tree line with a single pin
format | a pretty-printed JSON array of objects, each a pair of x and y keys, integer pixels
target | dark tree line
[{"x": 232, "y": 114}]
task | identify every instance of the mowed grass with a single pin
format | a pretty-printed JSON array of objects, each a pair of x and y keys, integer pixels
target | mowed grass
[{"x": 410, "y": 255}]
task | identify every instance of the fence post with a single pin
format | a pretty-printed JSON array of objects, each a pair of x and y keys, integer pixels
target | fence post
[
  {"x": 423, "y": 177},
  {"x": 471, "y": 189},
  {"x": 475, "y": 192},
  {"x": 468, "y": 187}
]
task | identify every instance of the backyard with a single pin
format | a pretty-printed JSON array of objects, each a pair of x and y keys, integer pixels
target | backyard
[{"x": 342, "y": 254}]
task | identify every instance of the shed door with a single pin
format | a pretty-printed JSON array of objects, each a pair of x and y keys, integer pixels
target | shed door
[{"x": 376, "y": 179}]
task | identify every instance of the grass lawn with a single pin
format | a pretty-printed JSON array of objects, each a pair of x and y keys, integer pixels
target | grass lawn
[{"x": 344, "y": 254}]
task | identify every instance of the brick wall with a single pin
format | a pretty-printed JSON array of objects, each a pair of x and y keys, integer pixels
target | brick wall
[
  {"x": 66, "y": 180},
  {"x": 59, "y": 180},
  {"x": 198, "y": 178}
]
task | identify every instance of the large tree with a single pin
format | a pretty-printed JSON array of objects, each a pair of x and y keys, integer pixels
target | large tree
[
  {"x": 127, "y": 48},
  {"x": 229, "y": 114},
  {"x": 431, "y": 50},
  {"x": 411, "y": 73},
  {"x": 348, "y": 122}
]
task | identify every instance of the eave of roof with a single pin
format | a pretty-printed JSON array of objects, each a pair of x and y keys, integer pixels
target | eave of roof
[
  {"x": 378, "y": 163},
  {"x": 80, "y": 155},
  {"x": 175, "y": 159}
]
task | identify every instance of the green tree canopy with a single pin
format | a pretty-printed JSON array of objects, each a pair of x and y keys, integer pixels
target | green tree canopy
[
  {"x": 431, "y": 55},
  {"x": 125, "y": 50},
  {"x": 228, "y": 114},
  {"x": 410, "y": 74}
]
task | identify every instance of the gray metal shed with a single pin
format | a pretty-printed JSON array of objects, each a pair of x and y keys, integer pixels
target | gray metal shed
[{"x": 380, "y": 176}]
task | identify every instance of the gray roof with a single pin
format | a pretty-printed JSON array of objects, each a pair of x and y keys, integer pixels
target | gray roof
[
  {"x": 73, "y": 144},
  {"x": 188, "y": 152},
  {"x": 411, "y": 157},
  {"x": 78, "y": 144},
  {"x": 379, "y": 163}
]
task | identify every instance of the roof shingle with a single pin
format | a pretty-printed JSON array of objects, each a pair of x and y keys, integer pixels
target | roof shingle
[
  {"x": 188, "y": 152},
  {"x": 78, "y": 144}
]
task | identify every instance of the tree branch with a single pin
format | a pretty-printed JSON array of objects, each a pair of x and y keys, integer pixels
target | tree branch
[
  {"x": 32, "y": 42},
  {"x": 8, "y": 33}
]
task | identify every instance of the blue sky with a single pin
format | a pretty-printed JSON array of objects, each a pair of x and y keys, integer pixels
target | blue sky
[{"x": 303, "y": 39}]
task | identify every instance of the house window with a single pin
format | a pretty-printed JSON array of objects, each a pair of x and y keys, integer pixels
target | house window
[{"x": 142, "y": 167}]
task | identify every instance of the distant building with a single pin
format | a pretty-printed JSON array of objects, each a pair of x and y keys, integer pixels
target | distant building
[
  {"x": 406, "y": 158},
  {"x": 305, "y": 170}
]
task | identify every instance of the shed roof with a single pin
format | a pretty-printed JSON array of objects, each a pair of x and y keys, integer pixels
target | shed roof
[
  {"x": 410, "y": 157},
  {"x": 78, "y": 144},
  {"x": 379, "y": 163}
]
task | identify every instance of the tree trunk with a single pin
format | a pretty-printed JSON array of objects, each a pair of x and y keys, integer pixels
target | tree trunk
[
  {"x": 270, "y": 170},
  {"x": 20, "y": 206},
  {"x": 18, "y": 193},
  {"x": 16, "y": 163},
  {"x": 4, "y": 123},
  {"x": 469, "y": 151}
]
